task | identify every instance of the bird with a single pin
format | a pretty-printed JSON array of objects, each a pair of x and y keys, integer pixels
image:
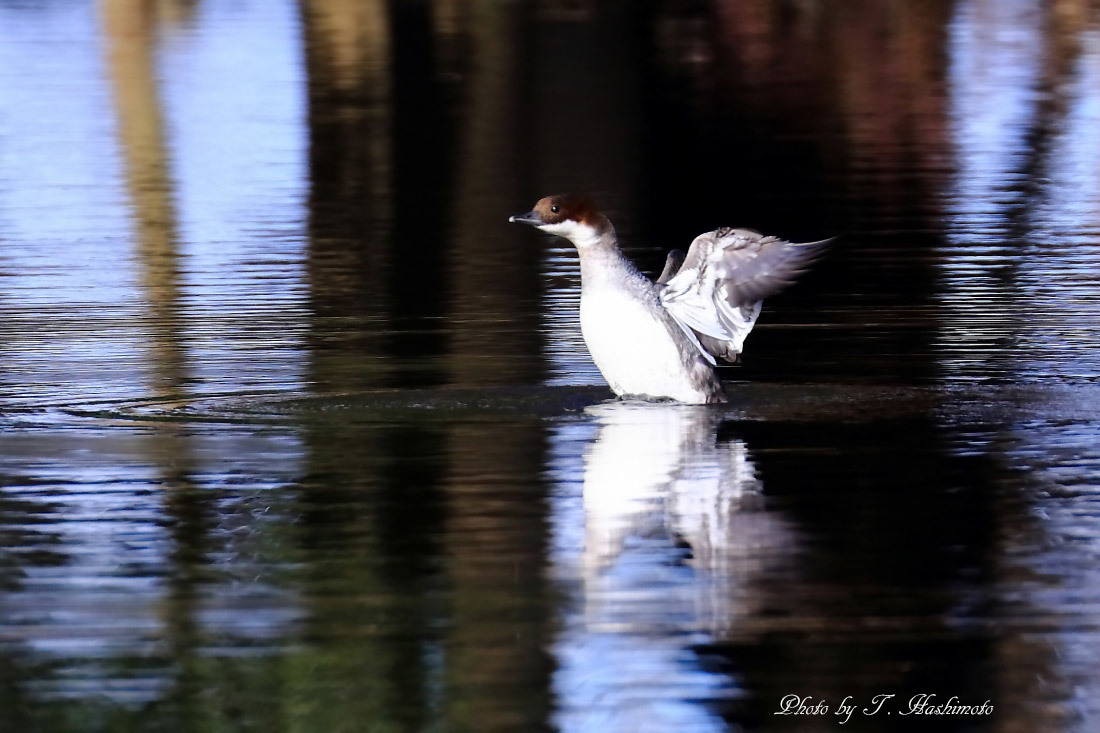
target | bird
[{"x": 661, "y": 340}]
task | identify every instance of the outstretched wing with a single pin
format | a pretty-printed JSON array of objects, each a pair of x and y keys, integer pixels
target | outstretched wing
[{"x": 727, "y": 272}]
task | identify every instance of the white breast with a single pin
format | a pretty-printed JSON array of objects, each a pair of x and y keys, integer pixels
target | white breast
[{"x": 633, "y": 349}]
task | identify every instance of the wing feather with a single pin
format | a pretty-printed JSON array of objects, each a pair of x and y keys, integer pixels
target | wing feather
[{"x": 717, "y": 290}]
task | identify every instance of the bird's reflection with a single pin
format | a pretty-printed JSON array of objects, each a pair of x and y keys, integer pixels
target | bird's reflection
[{"x": 677, "y": 538}]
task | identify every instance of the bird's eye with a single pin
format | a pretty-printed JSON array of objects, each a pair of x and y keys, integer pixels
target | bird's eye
[{"x": 554, "y": 209}]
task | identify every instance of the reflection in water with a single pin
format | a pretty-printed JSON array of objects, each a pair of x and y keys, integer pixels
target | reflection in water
[
  {"x": 158, "y": 551},
  {"x": 493, "y": 310},
  {"x": 1056, "y": 566},
  {"x": 72, "y": 316},
  {"x": 1024, "y": 207},
  {"x": 141, "y": 573},
  {"x": 994, "y": 101},
  {"x": 669, "y": 537},
  {"x": 349, "y": 76},
  {"x": 129, "y": 29}
]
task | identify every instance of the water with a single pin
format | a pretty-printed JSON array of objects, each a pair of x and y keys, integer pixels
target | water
[{"x": 296, "y": 432}]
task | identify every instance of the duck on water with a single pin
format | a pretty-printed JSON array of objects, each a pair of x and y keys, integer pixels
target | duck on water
[{"x": 662, "y": 340}]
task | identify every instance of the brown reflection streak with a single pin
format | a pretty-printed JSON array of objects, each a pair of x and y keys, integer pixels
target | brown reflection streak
[
  {"x": 348, "y": 62},
  {"x": 131, "y": 29},
  {"x": 880, "y": 62},
  {"x": 493, "y": 277},
  {"x": 351, "y": 42},
  {"x": 1063, "y": 24},
  {"x": 895, "y": 107}
]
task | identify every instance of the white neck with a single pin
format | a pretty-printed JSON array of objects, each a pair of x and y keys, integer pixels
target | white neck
[{"x": 581, "y": 235}]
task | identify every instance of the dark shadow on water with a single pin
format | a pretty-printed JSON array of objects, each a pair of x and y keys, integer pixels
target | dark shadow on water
[
  {"x": 423, "y": 162},
  {"x": 896, "y": 589}
]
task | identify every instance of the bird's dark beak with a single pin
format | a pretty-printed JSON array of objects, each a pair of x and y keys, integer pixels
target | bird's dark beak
[{"x": 531, "y": 217}]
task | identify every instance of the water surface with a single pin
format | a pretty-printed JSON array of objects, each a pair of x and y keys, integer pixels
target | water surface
[{"x": 297, "y": 433}]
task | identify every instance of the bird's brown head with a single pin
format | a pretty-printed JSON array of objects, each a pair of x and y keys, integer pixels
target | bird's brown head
[{"x": 568, "y": 215}]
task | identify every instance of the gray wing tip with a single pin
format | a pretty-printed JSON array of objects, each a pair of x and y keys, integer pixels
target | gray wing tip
[
  {"x": 797, "y": 259},
  {"x": 811, "y": 252},
  {"x": 821, "y": 244}
]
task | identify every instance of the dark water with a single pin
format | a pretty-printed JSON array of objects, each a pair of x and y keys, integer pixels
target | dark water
[{"x": 297, "y": 433}]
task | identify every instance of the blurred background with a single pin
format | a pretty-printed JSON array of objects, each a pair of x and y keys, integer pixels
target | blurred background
[{"x": 292, "y": 421}]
